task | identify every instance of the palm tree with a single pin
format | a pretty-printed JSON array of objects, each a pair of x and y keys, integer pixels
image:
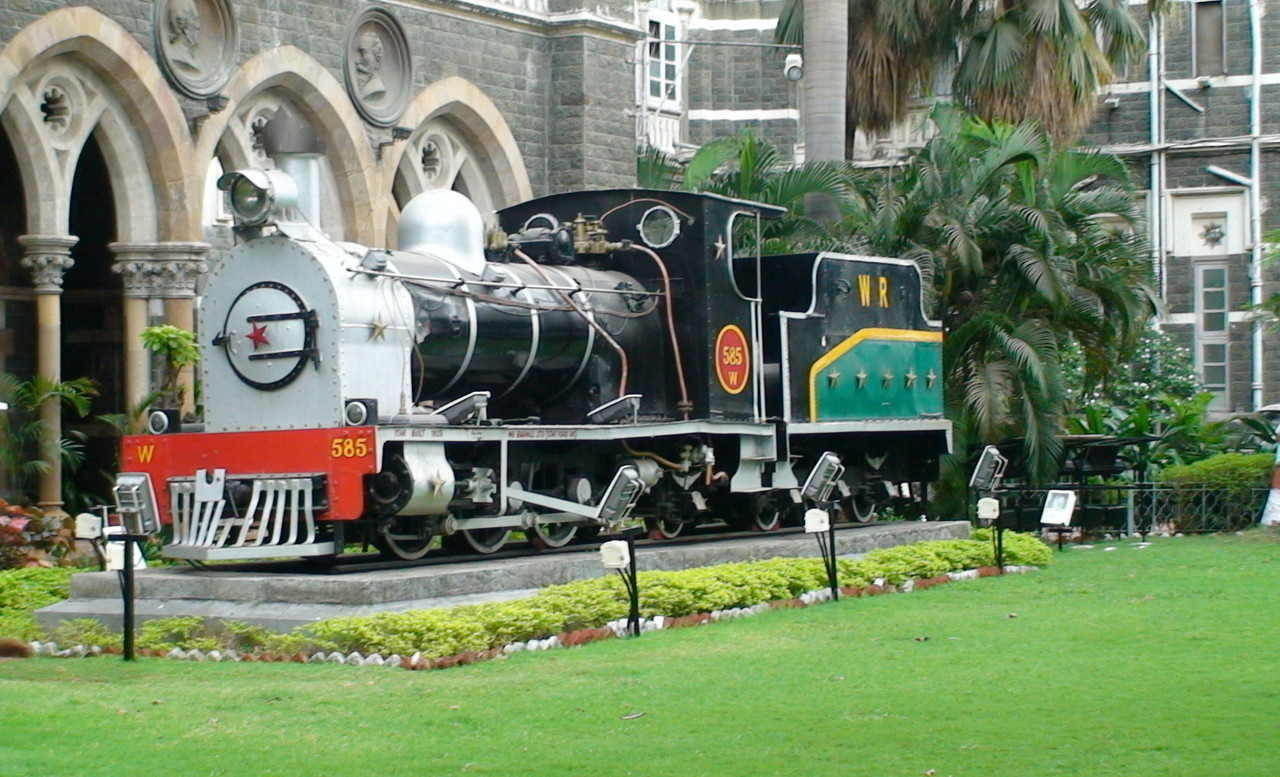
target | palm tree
[
  {"x": 1015, "y": 60},
  {"x": 26, "y": 450},
  {"x": 749, "y": 168},
  {"x": 655, "y": 168},
  {"x": 824, "y": 84},
  {"x": 1007, "y": 230}
]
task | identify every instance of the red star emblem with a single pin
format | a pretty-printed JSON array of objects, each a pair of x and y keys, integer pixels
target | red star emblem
[{"x": 258, "y": 336}]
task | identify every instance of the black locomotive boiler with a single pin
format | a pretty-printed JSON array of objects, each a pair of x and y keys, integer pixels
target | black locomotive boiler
[{"x": 592, "y": 358}]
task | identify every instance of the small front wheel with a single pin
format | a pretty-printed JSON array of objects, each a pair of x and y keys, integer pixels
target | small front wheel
[{"x": 403, "y": 538}]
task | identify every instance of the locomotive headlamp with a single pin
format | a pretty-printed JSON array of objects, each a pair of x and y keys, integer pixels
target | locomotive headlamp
[
  {"x": 158, "y": 422},
  {"x": 258, "y": 196}
]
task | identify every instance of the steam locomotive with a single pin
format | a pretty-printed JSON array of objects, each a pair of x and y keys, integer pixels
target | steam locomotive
[{"x": 592, "y": 359}]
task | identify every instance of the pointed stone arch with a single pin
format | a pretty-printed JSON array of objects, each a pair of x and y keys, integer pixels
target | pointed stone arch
[
  {"x": 42, "y": 186},
  {"x": 323, "y": 101},
  {"x": 143, "y": 121},
  {"x": 466, "y": 112}
]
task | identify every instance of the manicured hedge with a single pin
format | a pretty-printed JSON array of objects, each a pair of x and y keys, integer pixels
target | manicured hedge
[
  {"x": 1219, "y": 493},
  {"x": 1018, "y": 548},
  {"x": 578, "y": 605},
  {"x": 23, "y": 591},
  {"x": 1226, "y": 470}
]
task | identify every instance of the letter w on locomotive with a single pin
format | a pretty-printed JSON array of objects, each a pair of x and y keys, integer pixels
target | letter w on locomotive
[{"x": 591, "y": 359}]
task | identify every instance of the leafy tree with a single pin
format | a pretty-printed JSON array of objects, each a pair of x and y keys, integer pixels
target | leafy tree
[
  {"x": 1269, "y": 309},
  {"x": 1157, "y": 366},
  {"x": 1181, "y": 428},
  {"x": 177, "y": 347},
  {"x": 1019, "y": 262}
]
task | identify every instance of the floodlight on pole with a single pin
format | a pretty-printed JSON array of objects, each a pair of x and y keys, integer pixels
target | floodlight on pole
[
  {"x": 619, "y": 555},
  {"x": 986, "y": 479}
]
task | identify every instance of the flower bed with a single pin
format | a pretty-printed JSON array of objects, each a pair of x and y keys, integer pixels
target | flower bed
[{"x": 29, "y": 538}]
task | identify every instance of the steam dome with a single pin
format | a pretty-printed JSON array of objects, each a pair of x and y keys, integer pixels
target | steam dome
[{"x": 445, "y": 224}]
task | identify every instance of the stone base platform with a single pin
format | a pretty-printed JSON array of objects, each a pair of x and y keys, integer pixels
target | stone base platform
[{"x": 283, "y": 595}]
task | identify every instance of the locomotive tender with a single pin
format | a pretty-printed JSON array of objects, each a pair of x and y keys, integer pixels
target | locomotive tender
[{"x": 594, "y": 358}]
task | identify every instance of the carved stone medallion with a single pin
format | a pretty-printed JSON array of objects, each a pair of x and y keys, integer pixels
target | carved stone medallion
[
  {"x": 196, "y": 43},
  {"x": 378, "y": 66}
]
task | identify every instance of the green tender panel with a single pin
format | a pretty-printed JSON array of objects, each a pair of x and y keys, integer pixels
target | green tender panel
[{"x": 846, "y": 401}]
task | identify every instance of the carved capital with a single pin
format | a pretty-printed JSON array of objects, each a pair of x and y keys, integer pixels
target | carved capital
[
  {"x": 168, "y": 270},
  {"x": 47, "y": 257},
  {"x": 138, "y": 267},
  {"x": 180, "y": 267}
]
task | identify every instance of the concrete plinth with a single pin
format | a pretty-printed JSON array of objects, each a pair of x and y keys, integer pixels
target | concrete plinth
[{"x": 281, "y": 596}]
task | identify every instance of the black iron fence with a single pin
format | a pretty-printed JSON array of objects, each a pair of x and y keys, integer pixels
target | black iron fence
[{"x": 1140, "y": 508}]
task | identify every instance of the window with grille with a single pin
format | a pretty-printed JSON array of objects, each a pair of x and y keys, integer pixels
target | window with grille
[
  {"x": 662, "y": 79},
  {"x": 1212, "y": 329},
  {"x": 1208, "y": 39}
]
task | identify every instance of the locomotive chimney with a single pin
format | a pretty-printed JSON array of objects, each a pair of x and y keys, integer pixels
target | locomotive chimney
[{"x": 296, "y": 148}]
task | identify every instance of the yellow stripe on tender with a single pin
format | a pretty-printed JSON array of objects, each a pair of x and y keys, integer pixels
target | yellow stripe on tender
[{"x": 851, "y": 342}]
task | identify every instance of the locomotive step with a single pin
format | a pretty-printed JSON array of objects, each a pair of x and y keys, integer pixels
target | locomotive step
[{"x": 235, "y": 552}]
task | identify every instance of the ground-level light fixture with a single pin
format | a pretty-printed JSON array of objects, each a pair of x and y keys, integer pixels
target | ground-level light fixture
[
  {"x": 822, "y": 478},
  {"x": 816, "y": 520},
  {"x": 620, "y": 556},
  {"x": 986, "y": 479},
  {"x": 615, "y": 555},
  {"x": 988, "y": 510}
]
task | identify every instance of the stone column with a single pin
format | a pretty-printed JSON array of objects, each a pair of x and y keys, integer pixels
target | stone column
[
  {"x": 592, "y": 58},
  {"x": 138, "y": 267},
  {"x": 47, "y": 257},
  {"x": 180, "y": 266}
]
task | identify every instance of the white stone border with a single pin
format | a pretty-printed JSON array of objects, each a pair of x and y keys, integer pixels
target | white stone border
[{"x": 617, "y": 627}]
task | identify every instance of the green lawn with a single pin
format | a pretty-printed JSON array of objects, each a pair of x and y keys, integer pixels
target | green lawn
[{"x": 1149, "y": 662}]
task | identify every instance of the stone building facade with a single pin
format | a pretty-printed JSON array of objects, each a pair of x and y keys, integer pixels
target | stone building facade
[
  {"x": 118, "y": 116},
  {"x": 1197, "y": 119}
]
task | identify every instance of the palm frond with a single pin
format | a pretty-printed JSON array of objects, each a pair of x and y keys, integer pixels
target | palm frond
[
  {"x": 709, "y": 158},
  {"x": 655, "y": 168},
  {"x": 790, "y": 26}
]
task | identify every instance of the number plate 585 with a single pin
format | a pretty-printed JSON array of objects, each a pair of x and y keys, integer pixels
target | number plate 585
[{"x": 347, "y": 448}]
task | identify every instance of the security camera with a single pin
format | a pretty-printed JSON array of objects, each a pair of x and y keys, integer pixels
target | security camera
[
  {"x": 1112, "y": 103},
  {"x": 793, "y": 67}
]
